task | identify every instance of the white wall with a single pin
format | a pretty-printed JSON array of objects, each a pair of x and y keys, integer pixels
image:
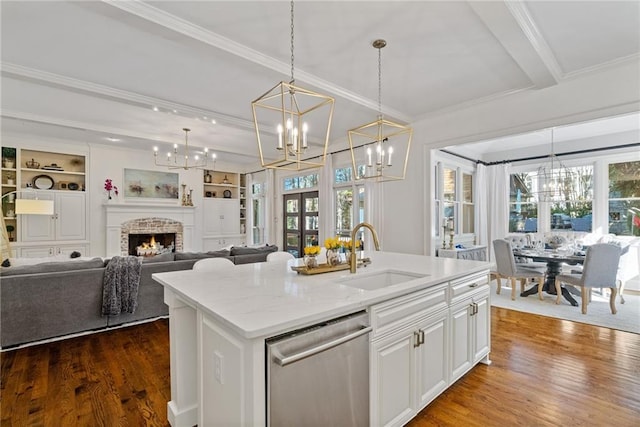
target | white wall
[{"x": 593, "y": 95}]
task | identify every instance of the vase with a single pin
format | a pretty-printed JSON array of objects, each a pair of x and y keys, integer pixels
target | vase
[
  {"x": 332, "y": 258},
  {"x": 310, "y": 261}
]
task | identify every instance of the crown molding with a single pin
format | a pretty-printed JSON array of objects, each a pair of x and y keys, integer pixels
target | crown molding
[{"x": 106, "y": 92}]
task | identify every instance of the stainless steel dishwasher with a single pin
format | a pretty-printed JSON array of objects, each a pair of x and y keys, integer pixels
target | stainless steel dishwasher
[{"x": 319, "y": 376}]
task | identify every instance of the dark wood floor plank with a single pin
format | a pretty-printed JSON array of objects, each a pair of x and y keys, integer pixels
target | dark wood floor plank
[{"x": 544, "y": 372}]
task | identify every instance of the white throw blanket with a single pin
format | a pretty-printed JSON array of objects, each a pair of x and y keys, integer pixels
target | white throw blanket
[{"x": 120, "y": 286}]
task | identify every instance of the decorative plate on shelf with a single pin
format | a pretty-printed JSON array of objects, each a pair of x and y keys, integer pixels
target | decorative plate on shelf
[
  {"x": 227, "y": 194},
  {"x": 43, "y": 182},
  {"x": 52, "y": 167}
]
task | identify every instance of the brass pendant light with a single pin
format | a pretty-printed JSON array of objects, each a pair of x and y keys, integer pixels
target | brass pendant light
[
  {"x": 292, "y": 124},
  {"x": 380, "y": 149}
]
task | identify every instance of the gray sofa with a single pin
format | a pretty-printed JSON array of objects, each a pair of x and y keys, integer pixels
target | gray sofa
[{"x": 55, "y": 299}]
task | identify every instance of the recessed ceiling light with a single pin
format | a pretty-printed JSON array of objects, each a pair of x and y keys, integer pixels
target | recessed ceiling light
[
  {"x": 112, "y": 139},
  {"x": 175, "y": 111},
  {"x": 156, "y": 109},
  {"x": 213, "y": 121}
]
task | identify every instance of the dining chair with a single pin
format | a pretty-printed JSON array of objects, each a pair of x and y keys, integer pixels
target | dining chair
[
  {"x": 599, "y": 271},
  {"x": 279, "y": 256},
  {"x": 212, "y": 264},
  {"x": 507, "y": 268}
]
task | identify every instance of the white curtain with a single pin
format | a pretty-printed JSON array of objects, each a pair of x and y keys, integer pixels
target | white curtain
[
  {"x": 270, "y": 232},
  {"x": 326, "y": 227},
  {"x": 482, "y": 205},
  {"x": 497, "y": 177},
  {"x": 248, "y": 204},
  {"x": 374, "y": 194}
]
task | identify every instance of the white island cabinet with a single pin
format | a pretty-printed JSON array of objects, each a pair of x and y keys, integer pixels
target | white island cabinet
[{"x": 427, "y": 331}]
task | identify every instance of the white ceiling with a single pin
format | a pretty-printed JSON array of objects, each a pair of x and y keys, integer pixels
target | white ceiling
[{"x": 91, "y": 70}]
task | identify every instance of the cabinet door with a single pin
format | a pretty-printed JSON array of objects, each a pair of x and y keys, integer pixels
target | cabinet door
[
  {"x": 392, "y": 388},
  {"x": 37, "y": 252},
  {"x": 432, "y": 358},
  {"x": 68, "y": 249},
  {"x": 37, "y": 228},
  {"x": 481, "y": 327},
  {"x": 70, "y": 216},
  {"x": 211, "y": 217},
  {"x": 460, "y": 339},
  {"x": 221, "y": 216},
  {"x": 230, "y": 219}
]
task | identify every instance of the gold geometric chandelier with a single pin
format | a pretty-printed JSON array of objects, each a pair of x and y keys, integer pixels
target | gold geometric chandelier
[
  {"x": 184, "y": 161},
  {"x": 380, "y": 149},
  {"x": 292, "y": 124}
]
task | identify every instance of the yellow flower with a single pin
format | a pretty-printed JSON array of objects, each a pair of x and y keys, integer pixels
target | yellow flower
[
  {"x": 332, "y": 243},
  {"x": 312, "y": 250},
  {"x": 348, "y": 244}
]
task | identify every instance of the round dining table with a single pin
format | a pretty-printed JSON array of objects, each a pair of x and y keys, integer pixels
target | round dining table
[{"x": 554, "y": 260}]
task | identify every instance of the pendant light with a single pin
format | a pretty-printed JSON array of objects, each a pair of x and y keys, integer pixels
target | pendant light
[
  {"x": 292, "y": 124},
  {"x": 554, "y": 179},
  {"x": 380, "y": 149},
  {"x": 185, "y": 160}
]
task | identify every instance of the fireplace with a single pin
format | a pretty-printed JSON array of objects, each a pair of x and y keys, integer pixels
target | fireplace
[
  {"x": 123, "y": 219},
  {"x": 166, "y": 233},
  {"x": 149, "y": 245}
]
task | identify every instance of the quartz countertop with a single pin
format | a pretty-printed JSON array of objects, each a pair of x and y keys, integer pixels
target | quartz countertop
[{"x": 268, "y": 298}]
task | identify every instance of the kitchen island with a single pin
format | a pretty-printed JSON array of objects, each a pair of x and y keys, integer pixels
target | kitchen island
[{"x": 219, "y": 322}]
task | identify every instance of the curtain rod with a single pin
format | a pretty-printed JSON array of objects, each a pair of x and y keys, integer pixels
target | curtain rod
[
  {"x": 546, "y": 156},
  {"x": 501, "y": 162}
]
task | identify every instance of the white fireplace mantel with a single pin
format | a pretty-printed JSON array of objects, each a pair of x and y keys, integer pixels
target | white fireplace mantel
[{"x": 119, "y": 213}]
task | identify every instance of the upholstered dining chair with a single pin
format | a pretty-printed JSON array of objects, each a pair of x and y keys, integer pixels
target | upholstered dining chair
[
  {"x": 599, "y": 271},
  {"x": 279, "y": 256},
  {"x": 508, "y": 269},
  {"x": 212, "y": 264}
]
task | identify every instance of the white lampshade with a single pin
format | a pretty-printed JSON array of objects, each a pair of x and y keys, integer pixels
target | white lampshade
[{"x": 34, "y": 207}]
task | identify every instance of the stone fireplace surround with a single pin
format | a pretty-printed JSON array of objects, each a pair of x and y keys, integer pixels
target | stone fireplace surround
[{"x": 125, "y": 218}]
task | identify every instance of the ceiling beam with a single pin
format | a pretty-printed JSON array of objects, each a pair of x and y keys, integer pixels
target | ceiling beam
[
  {"x": 512, "y": 25},
  {"x": 181, "y": 26}
]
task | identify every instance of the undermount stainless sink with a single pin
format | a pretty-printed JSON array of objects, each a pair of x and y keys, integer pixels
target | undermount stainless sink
[{"x": 379, "y": 280}]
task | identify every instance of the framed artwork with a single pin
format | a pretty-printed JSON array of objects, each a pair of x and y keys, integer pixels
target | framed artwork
[{"x": 151, "y": 184}]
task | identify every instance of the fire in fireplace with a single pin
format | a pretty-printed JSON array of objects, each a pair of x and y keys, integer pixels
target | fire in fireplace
[{"x": 151, "y": 244}]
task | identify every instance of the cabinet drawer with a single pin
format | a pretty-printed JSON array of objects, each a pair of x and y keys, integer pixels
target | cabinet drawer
[
  {"x": 460, "y": 287},
  {"x": 393, "y": 314}
]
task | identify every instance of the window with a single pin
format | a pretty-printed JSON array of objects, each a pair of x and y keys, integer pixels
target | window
[
  {"x": 523, "y": 206},
  {"x": 574, "y": 212},
  {"x": 571, "y": 209},
  {"x": 624, "y": 198},
  {"x": 350, "y": 201},
  {"x": 468, "y": 207},
  {"x": 454, "y": 202},
  {"x": 301, "y": 182}
]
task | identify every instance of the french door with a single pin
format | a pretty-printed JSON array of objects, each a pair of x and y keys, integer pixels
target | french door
[{"x": 300, "y": 221}]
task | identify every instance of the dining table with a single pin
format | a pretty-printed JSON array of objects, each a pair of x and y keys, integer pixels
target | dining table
[{"x": 554, "y": 259}]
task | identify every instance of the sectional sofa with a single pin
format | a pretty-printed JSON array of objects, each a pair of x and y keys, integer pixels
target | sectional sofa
[{"x": 56, "y": 299}]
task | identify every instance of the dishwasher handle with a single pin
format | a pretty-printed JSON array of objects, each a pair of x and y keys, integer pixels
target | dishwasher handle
[{"x": 284, "y": 361}]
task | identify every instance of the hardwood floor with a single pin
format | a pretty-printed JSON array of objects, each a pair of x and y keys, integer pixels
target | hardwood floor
[{"x": 545, "y": 372}]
